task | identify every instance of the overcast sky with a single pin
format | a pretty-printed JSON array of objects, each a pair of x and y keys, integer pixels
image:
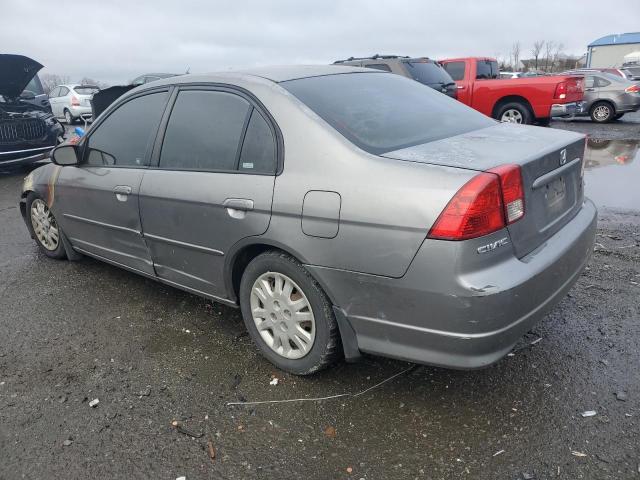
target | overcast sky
[{"x": 116, "y": 40}]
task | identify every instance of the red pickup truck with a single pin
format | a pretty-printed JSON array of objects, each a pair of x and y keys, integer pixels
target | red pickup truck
[{"x": 517, "y": 100}]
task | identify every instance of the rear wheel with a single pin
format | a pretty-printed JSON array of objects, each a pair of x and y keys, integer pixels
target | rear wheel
[
  {"x": 288, "y": 315},
  {"x": 602, "y": 112},
  {"x": 514, "y": 112},
  {"x": 44, "y": 227}
]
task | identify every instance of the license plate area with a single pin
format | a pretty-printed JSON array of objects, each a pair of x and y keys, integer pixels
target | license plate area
[{"x": 555, "y": 192}]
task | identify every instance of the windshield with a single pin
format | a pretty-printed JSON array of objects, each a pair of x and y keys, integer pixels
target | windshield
[
  {"x": 382, "y": 112},
  {"x": 86, "y": 90},
  {"x": 34, "y": 86},
  {"x": 428, "y": 73}
]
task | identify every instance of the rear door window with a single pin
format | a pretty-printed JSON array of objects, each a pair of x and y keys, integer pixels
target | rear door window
[
  {"x": 204, "y": 131},
  {"x": 63, "y": 91},
  {"x": 601, "y": 82},
  {"x": 486, "y": 69},
  {"x": 455, "y": 70},
  {"x": 125, "y": 137},
  {"x": 259, "y": 147}
]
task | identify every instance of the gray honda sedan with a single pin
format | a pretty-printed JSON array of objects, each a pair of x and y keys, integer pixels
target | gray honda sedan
[{"x": 344, "y": 210}]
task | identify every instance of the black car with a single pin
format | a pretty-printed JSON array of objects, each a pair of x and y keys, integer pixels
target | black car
[
  {"x": 28, "y": 130},
  {"x": 423, "y": 70}
]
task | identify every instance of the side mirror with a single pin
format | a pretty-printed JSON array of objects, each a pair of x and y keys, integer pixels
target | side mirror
[
  {"x": 65, "y": 155},
  {"x": 27, "y": 95}
]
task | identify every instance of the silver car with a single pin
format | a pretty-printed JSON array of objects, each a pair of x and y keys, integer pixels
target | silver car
[
  {"x": 72, "y": 102},
  {"x": 608, "y": 97},
  {"x": 343, "y": 209}
]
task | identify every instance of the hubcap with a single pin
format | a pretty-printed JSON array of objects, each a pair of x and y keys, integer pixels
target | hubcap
[
  {"x": 601, "y": 112},
  {"x": 44, "y": 225},
  {"x": 511, "y": 116},
  {"x": 283, "y": 315}
]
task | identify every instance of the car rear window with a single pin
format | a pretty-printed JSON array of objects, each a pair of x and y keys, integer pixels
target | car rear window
[
  {"x": 455, "y": 69},
  {"x": 380, "y": 113},
  {"x": 429, "y": 73},
  {"x": 86, "y": 90}
]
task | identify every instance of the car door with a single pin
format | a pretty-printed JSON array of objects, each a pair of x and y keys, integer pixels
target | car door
[
  {"x": 97, "y": 201},
  {"x": 212, "y": 186},
  {"x": 590, "y": 92},
  {"x": 456, "y": 69}
]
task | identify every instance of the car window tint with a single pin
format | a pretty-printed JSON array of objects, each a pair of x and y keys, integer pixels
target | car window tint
[
  {"x": 455, "y": 70},
  {"x": 204, "y": 131},
  {"x": 486, "y": 69},
  {"x": 379, "y": 66},
  {"x": 380, "y": 113},
  {"x": 259, "y": 147},
  {"x": 429, "y": 73},
  {"x": 126, "y": 136}
]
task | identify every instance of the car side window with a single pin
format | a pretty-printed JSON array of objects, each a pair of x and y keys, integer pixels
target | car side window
[
  {"x": 455, "y": 70},
  {"x": 601, "y": 82},
  {"x": 259, "y": 147},
  {"x": 379, "y": 66},
  {"x": 63, "y": 91},
  {"x": 204, "y": 131},
  {"x": 54, "y": 93},
  {"x": 125, "y": 137},
  {"x": 588, "y": 81}
]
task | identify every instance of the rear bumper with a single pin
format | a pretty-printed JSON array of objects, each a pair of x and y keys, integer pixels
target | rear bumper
[
  {"x": 465, "y": 319},
  {"x": 567, "y": 109}
]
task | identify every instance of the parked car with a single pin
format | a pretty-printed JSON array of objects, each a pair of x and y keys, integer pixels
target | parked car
[
  {"x": 342, "y": 209},
  {"x": 422, "y": 69},
  {"x": 72, "y": 102},
  {"x": 631, "y": 72},
  {"x": 510, "y": 74},
  {"x": 608, "y": 97},
  {"x": 28, "y": 131},
  {"x": 522, "y": 100}
]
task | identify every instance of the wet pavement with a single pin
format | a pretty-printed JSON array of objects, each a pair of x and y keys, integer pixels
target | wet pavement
[{"x": 152, "y": 355}]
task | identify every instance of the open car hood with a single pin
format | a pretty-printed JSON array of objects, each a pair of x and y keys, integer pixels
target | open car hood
[
  {"x": 16, "y": 71},
  {"x": 102, "y": 99}
]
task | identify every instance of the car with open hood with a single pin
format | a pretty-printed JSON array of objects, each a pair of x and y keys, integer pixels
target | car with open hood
[{"x": 28, "y": 131}]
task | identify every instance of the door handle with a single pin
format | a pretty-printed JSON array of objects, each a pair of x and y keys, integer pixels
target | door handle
[
  {"x": 238, "y": 207},
  {"x": 460, "y": 87},
  {"x": 589, "y": 89},
  {"x": 122, "y": 192},
  {"x": 243, "y": 204}
]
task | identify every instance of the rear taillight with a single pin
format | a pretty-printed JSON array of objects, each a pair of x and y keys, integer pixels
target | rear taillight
[
  {"x": 632, "y": 89},
  {"x": 486, "y": 203},
  {"x": 512, "y": 191},
  {"x": 561, "y": 90},
  {"x": 75, "y": 102}
]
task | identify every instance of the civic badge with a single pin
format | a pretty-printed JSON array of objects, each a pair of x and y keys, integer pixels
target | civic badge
[{"x": 563, "y": 156}]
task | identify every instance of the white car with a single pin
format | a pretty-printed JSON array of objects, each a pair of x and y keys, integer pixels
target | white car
[
  {"x": 72, "y": 102},
  {"x": 510, "y": 74}
]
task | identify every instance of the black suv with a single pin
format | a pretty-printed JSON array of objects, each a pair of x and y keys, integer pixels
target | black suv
[{"x": 423, "y": 70}]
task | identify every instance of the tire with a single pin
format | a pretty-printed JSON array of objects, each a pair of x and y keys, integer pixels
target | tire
[
  {"x": 322, "y": 346},
  {"x": 618, "y": 116},
  {"x": 602, "y": 112},
  {"x": 44, "y": 228},
  {"x": 514, "y": 112},
  {"x": 68, "y": 117},
  {"x": 543, "y": 122}
]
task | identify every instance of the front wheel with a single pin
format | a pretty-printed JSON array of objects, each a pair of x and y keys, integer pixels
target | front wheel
[
  {"x": 514, "y": 112},
  {"x": 44, "y": 227},
  {"x": 602, "y": 112},
  {"x": 288, "y": 315}
]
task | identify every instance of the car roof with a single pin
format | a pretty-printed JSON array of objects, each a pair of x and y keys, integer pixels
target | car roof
[{"x": 275, "y": 74}]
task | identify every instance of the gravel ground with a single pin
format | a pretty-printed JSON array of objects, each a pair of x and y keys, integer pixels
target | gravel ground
[{"x": 153, "y": 355}]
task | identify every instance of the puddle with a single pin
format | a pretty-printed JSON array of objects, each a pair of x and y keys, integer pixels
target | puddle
[{"x": 612, "y": 173}]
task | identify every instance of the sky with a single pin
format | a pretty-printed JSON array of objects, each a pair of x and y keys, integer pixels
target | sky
[{"x": 116, "y": 40}]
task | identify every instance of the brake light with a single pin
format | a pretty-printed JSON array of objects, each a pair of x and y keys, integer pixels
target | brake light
[
  {"x": 75, "y": 102},
  {"x": 486, "y": 203},
  {"x": 632, "y": 89},
  {"x": 512, "y": 191},
  {"x": 561, "y": 90}
]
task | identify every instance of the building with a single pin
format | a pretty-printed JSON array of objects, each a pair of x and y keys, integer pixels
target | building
[{"x": 610, "y": 51}]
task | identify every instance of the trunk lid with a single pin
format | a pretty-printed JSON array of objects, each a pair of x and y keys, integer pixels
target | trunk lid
[
  {"x": 16, "y": 71},
  {"x": 551, "y": 163}
]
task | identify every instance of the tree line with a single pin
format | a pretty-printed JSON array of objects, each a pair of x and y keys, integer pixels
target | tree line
[
  {"x": 51, "y": 80},
  {"x": 544, "y": 56}
]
